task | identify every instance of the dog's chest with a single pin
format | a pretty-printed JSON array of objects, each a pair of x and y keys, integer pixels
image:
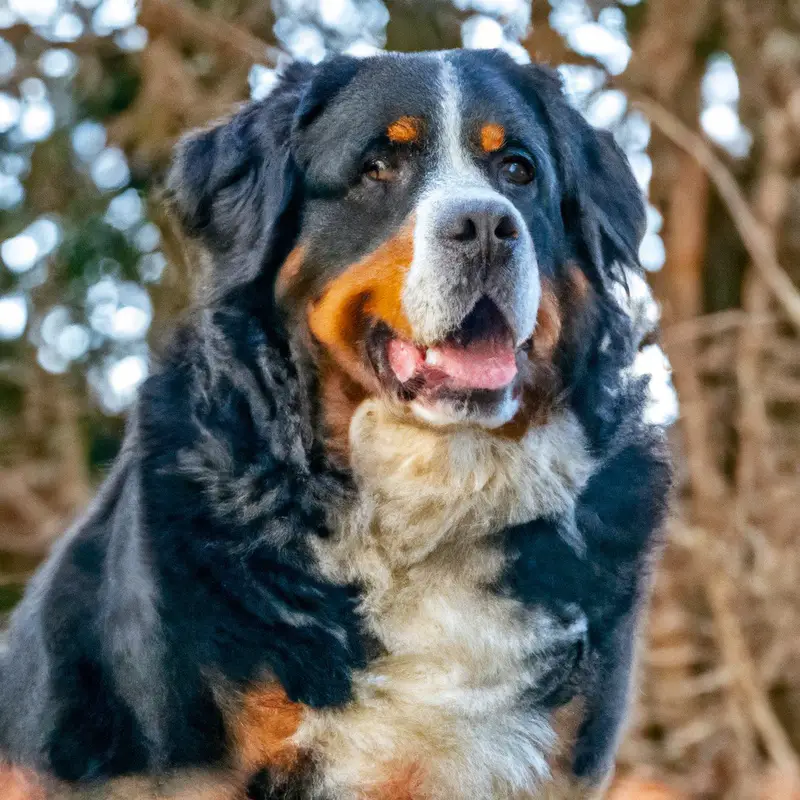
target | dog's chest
[{"x": 444, "y": 706}]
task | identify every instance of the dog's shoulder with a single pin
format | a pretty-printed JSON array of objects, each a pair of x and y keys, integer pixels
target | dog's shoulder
[{"x": 188, "y": 577}]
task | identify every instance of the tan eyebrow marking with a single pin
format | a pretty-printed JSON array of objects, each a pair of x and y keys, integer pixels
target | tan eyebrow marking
[
  {"x": 493, "y": 136},
  {"x": 405, "y": 130}
]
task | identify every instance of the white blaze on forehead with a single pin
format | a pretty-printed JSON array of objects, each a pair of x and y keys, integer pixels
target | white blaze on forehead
[
  {"x": 436, "y": 299},
  {"x": 455, "y": 162}
]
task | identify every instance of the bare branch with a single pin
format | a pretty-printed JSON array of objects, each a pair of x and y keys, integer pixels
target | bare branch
[
  {"x": 183, "y": 21},
  {"x": 754, "y": 237},
  {"x": 736, "y": 652},
  {"x": 715, "y": 324}
]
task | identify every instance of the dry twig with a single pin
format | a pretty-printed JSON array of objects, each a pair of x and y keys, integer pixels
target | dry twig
[
  {"x": 754, "y": 237},
  {"x": 714, "y": 324},
  {"x": 183, "y": 21},
  {"x": 736, "y": 653},
  {"x": 770, "y": 201}
]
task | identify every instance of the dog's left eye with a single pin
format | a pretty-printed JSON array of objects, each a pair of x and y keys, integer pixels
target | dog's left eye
[
  {"x": 517, "y": 169},
  {"x": 379, "y": 170}
]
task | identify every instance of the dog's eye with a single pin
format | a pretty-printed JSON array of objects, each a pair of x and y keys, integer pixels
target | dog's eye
[
  {"x": 379, "y": 170},
  {"x": 517, "y": 169}
]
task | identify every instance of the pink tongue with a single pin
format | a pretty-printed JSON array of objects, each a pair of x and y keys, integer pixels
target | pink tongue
[
  {"x": 404, "y": 359},
  {"x": 482, "y": 365}
]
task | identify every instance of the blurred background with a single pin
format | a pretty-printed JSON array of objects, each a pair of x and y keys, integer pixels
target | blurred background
[{"x": 704, "y": 95}]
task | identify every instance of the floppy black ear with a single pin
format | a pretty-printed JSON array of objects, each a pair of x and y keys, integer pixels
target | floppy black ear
[
  {"x": 603, "y": 207},
  {"x": 232, "y": 184},
  {"x": 609, "y": 199}
]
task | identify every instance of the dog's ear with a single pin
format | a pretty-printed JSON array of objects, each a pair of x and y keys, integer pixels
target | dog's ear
[
  {"x": 231, "y": 185},
  {"x": 602, "y": 207},
  {"x": 609, "y": 201}
]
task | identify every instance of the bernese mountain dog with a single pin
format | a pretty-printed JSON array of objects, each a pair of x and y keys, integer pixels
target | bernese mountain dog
[{"x": 384, "y": 518}]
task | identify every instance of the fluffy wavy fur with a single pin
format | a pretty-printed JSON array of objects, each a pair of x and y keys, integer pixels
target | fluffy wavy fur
[{"x": 309, "y": 577}]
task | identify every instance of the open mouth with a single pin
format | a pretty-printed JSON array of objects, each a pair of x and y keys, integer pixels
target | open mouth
[{"x": 477, "y": 362}]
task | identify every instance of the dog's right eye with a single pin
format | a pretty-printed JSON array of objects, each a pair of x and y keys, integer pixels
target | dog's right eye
[
  {"x": 517, "y": 169},
  {"x": 379, "y": 170}
]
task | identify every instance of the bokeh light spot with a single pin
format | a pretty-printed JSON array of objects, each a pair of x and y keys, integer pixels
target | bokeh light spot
[{"x": 13, "y": 316}]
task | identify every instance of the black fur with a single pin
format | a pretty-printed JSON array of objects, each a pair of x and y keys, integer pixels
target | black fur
[
  {"x": 619, "y": 515},
  {"x": 193, "y": 573},
  {"x": 222, "y": 484}
]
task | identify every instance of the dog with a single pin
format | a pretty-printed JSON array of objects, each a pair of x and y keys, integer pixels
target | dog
[{"x": 385, "y": 516}]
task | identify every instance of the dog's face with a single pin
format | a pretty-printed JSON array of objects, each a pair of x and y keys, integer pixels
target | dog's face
[{"x": 436, "y": 225}]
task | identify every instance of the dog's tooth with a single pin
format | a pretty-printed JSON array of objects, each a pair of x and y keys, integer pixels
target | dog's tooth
[{"x": 433, "y": 357}]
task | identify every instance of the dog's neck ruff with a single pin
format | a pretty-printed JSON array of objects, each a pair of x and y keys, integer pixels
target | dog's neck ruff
[{"x": 445, "y": 705}]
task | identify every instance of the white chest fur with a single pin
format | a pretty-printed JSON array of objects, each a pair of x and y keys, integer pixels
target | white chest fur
[{"x": 443, "y": 708}]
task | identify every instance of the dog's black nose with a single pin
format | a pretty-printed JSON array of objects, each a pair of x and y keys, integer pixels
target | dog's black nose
[{"x": 479, "y": 227}]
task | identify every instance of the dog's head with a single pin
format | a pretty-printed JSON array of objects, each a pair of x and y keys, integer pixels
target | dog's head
[{"x": 435, "y": 228}]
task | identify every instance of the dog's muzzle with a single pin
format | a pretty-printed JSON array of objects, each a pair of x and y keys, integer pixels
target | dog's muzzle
[{"x": 470, "y": 245}]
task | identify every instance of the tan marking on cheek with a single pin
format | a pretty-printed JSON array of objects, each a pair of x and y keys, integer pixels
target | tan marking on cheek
[
  {"x": 548, "y": 325},
  {"x": 579, "y": 283},
  {"x": 372, "y": 287},
  {"x": 289, "y": 272},
  {"x": 263, "y": 727},
  {"x": 539, "y": 377},
  {"x": 405, "y": 130},
  {"x": 493, "y": 137},
  {"x": 578, "y": 300}
]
